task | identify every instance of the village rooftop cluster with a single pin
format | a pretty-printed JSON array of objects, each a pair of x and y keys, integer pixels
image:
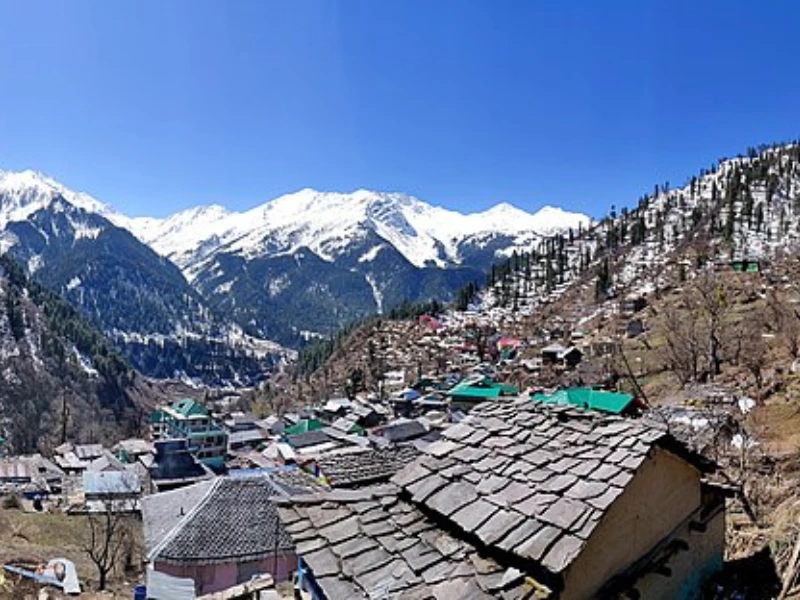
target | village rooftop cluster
[{"x": 448, "y": 484}]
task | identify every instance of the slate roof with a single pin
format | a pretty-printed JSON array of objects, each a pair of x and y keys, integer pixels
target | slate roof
[
  {"x": 369, "y": 543},
  {"x": 403, "y": 432},
  {"x": 347, "y": 469},
  {"x": 162, "y": 511},
  {"x": 529, "y": 479},
  {"x": 307, "y": 439},
  {"x": 235, "y": 521}
]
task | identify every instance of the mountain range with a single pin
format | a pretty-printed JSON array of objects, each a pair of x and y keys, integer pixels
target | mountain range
[{"x": 217, "y": 296}]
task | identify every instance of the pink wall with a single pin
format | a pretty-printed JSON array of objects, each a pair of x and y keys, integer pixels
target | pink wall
[{"x": 213, "y": 578}]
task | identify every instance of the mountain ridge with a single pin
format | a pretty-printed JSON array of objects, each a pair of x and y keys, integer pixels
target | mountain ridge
[{"x": 339, "y": 255}]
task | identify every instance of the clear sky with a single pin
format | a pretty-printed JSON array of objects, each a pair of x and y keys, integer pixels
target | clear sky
[{"x": 157, "y": 106}]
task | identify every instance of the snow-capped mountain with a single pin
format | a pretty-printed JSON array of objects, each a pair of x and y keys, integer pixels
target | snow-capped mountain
[
  {"x": 321, "y": 259},
  {"x": 25, "y": 192},
  {"x": 70, "y": 242},
  {"x": 299, "y": 265},
  {"x": 328, "y": 224}
]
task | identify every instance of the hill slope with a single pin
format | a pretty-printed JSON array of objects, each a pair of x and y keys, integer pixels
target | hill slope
[{"x": 59, "y": 377}]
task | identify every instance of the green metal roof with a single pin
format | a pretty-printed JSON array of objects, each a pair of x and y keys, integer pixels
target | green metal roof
[
  {"x": 190, "y": 408},
  {"x": 304, "y": 426},
  {"x": 611, "y": 402},
  {"x": 484, "y": 388},
  {"x": 157, "y": 416}
]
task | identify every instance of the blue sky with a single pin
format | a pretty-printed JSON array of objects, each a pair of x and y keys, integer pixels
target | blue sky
[{"x": 157, "y": 106}]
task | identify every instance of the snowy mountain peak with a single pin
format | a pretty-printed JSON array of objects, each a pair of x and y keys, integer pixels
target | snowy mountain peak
[
  {"x": 551, "y": 219},
  {"x": 328, "y": 223},
  {"x": 23, "y": 193}
]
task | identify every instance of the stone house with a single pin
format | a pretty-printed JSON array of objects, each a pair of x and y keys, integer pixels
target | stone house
[{"x": 522, "y": 500}]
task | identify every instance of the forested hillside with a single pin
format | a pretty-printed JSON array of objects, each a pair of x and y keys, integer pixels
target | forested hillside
[{"x": 59, "y": 376}]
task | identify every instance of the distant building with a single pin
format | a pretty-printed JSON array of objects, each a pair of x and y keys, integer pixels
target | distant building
[
  {"x": 599, "y": 400},
  {"x": 474, "y": 390},
  {"x": 188, "y": 419},
  {"x": 556, "y": 354},
  {"x": 174, "y": 466}
]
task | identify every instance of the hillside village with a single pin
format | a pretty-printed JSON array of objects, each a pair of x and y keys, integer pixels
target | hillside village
[{"x": 613, "y": 414}]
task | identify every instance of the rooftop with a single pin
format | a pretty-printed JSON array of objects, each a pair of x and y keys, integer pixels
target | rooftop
[
  {"x": 234, "y": 521},
  {"x": 612, "y": 402},
  {"x": 531, "y": 479},
  {"x": 346, "y": 469},
  {"x": 189, "y": 408},
  {"x": 371, "y": 544}
]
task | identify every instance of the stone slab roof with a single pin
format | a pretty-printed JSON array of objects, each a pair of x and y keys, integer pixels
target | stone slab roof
[
  {"x": 308, "y": 439},
  {"x": 369, "y": 543},
  {"x": 529, "y": 479},
  {"x": 365, "y": 466}
]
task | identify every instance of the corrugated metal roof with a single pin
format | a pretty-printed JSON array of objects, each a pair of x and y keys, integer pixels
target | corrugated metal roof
[
  {"x": 611, "y": 402},
  {"x": 110, "y": 482}
]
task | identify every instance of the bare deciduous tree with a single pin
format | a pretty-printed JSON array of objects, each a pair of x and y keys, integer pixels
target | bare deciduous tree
[
  {"x": 754, "y": 350},
  {"x": 109, "y": 535},
  {"x": 696, "y": 332}
]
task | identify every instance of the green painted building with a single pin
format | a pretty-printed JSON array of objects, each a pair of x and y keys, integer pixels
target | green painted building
[{"x": 190, "y": 420}]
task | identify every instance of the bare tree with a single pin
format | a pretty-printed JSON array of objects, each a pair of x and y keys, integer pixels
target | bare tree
[
  {"x": 785, "y": 322},
  {"x": 754, "y": 350},
  {"x": 696, "y": 332},
  {"x": 109, "y": 532},
  {"x": 712, "y": 295},
  {"x": 683, "y": 347}
]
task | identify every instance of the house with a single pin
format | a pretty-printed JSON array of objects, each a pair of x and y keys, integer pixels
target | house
[
  {"x": 217, "y": 534},
  {"x": 556, "y": 354},
  {"x": 747, "y": 265},
  {"x": 174, "y": 466},
  {"x": 368, "y": 414},
  {"x": 114, "y": 491},
  {"x": 190, "y": 420},
  {"x": 599, "y": 400},
  {"x": 132, "y": 450},
  {"x": 476, "y": 389},
  {"x": 303, "y": 426},
  {"x": 74, "y": 459},
  {"x": 521, "y": 500},
  {"x": 400, "y": 432},
  {"x": 31, "y": 475},
  {"x": 337, "y": 407},
  {"x": 311, "y": 442},
  {"x": 388, "y": 548},
  {"x": 244, "y": 431},
  {"x": 363, "y": 466}
]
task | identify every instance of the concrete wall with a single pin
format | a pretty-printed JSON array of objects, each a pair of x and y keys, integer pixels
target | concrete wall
[
  {"x": 216, "y": 577},
  {"x": 664, "y": 492}
]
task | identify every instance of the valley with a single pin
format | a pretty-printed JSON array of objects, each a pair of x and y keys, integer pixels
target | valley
[{"x": 682, "y": 308}]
